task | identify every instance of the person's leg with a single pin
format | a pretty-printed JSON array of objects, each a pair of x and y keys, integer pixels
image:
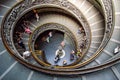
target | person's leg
[
  {"x": 48, "y": 39},
  {"x": 37, "y": 16},
  {"x": 23, "y": 46}
]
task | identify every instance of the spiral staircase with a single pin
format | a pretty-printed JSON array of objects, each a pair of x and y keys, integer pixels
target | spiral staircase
[{"x": 99, "y": 20}]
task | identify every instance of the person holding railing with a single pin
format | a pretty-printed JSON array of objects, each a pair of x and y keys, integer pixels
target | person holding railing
[
  {"x": 26, "y": 54},
  {"x": 48, "y": 37},
  {"x": 21, "y": 44},
  {"x": 80, "y": 30},
  {"x": 72, "y": 55},
  {"x": 64, "y": 62},
  {"x": 78, "y": 54},
  {"x": 62, "y": 44},
  {"x": 26, "y": 23},
  {"x": 36, "y": 14},
  {"x": 27, "y": 30},
  {"x": 26, "y": 27},
  {"x": 18, "y": 34},
  {"x": 50, "y": 34}
]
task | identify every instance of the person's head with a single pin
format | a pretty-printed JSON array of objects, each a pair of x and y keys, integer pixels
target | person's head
[
  {"x": 60, "y": 48},
  {"x": 72, "y": 51},
  {"x": 35, "y": 11},
  {"x": 64, "y": 61}
]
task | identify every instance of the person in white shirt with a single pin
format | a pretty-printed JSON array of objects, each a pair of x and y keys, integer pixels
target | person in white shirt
[
  {"x": 117, "y": 50},
  {"x": 26, "y": 54},
  {"x": 64, "y": 62},
  {"x": 50, "y": 34}
]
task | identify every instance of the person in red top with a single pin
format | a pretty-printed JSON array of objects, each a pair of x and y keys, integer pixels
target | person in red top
[{"x": 27, "y": 30}]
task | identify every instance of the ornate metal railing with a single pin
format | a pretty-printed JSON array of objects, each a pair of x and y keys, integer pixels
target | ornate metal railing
[
  {"x": 41, "y": 59},
  {"x": 23, "y": 7},
  {"x": 52, "y": 26}
]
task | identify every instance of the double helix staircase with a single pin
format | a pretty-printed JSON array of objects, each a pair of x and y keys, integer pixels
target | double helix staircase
[{"x": 10, "y": 67}]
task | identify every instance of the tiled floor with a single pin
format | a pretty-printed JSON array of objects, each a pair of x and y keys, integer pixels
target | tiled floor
[{"x": 51, "y": 47}]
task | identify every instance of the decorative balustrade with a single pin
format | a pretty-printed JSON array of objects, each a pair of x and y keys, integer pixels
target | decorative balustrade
[
  {"x": 51, "y": 26},
  {"x": 21, "y": 8},
  {"x": 109, "y": 20}
]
